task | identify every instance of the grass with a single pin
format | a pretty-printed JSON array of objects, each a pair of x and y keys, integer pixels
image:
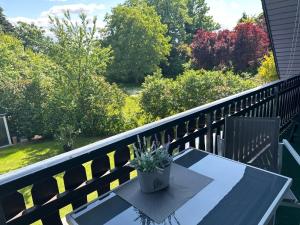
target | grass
[
  {"x": 21, "y": 155},
  {"x": 131, "y": 89}
]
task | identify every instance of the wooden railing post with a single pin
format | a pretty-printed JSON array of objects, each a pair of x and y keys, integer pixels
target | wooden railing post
[
  {"x": 209, "y": 135},
  {"x": 276, "y": 102},
  {"x": 2, "y": 214}
]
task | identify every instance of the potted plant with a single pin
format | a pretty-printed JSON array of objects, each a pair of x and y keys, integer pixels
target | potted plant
[
  {"x": 66, "y": 135},
  {"x": 153, "y": 166}
]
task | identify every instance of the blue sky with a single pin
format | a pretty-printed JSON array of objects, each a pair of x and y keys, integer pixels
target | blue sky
[{"x": 226, "y": 12}]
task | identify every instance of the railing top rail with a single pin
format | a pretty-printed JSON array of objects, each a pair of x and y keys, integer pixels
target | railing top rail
[{"x": 59, "y": 163}]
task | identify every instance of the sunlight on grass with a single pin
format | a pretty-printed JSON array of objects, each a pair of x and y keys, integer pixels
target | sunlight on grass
[{"x": 21, "y": 155}]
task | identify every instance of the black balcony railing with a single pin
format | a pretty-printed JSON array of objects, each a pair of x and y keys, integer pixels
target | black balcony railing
[{"x": 197, "y": 127}]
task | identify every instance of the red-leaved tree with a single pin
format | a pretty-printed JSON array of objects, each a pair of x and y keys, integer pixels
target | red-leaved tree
[
  {"x": 251, "y": 45},
  {"x": 243, "y": 48},
  {"x": 203, "y": 49},
  {"x": 224, "y": 47}
]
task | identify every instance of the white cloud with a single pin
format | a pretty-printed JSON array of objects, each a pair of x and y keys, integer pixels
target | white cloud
[
  {"x": 44, "y": 22},
  {"x": 73, "y": 8},
  {"x": 41, "y": 21},
  {"x": 228, "y": 12}
]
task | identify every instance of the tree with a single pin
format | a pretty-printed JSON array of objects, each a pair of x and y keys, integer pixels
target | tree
[
  {"x": 5, "y": 25},
  {"x": 78, "y": 49},
  {"x": 183, "y": 18},
  {"x": 197, "y": 11},
  {"x": 267, "y": 71},
  {"x": 203, "y": 49},
  {"x": 79, "y": 98},
  {"x": 33, "y": 37},
  {"x": 224, "y": 46},
  {"x": 22, "y": 97},
  {"x": 258, "y": 20},
  {"x": 213, "y": 50},
  {"x": 251, "y": 45},
  {"x": 138, "y": 40},
  {"x": 241, "y": 48},
  {"x": 247, "y": 19}
]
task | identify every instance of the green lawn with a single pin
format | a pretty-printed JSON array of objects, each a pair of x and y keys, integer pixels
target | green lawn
[{"x": 21, "y": 155}]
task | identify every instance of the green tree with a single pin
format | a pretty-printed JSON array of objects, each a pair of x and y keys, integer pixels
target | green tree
[
  {"x": 21, "y": 94},
  {"x": 5, "y": 25},
  {"x": 79, "y": 98},
  {"x": 197, "y": 11},
  {"x": 183, "y": 18},
  {"x": 138, "y": 40},
  {"x": 33, "y": 37},
  {"x": 78, "y": 49}
]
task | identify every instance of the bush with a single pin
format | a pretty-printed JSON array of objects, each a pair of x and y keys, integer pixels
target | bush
[
  {"x": 163, "y": 97},
  {"x": 198, "y": 87},
  {"x": 21, "y": 95},
  {"x": 267, "y": 71},
  {"x": 157, "y": 96},
  {"x": 95, "y": 108}
]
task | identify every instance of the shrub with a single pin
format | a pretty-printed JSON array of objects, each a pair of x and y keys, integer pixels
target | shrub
[
  {"x": 163, "y": 97},
  {"x": 21, "y": 95},
  {"x": 157, "y": 96},
  {"x": 267, "y": 71}
]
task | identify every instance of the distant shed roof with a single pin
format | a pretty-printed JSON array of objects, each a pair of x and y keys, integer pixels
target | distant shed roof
[{"x": 282, "y": 17}]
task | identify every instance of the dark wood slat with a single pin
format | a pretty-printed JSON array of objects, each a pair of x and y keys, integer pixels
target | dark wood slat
[
  {"x": 13, "y": 204},
  {"x": 74, "y": 178},
  {"x": 42, "y": 192},
  {"x": 121, "y": 157},
  {"x": 101, "y": 166}
]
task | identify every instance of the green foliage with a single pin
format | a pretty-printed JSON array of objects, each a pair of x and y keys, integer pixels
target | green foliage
[
  {"x": 198, "y": 87},
  {"x": 51, "y": 96},
  {"x": 66, "y": 136},
  {"x": 78, "y": 50},
  {"x": 133, "y": 115},
  {"x": 149, "y": 159},
  {"x": 157, "y": 96},
  {"x": 33, "y": 37},
  {"x": 5, "y": 25},
  {"x": 177, "y": 59},
  {"x": 80, "y": 96},
  {"x": 21, "y": 94},
  {"x": 267, "y": 71},
  {"x": 162, "y": 97},
  {"x": 197, "y": 11},
  {"x": 138, "y": 40},
  {"x": 183, "y": 18}
]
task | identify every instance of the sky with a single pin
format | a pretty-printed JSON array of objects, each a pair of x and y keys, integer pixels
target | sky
[{"x": 225, "y": 12}]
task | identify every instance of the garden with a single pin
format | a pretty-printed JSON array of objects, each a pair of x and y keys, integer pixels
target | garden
[{"x": 82, "y": 84}]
